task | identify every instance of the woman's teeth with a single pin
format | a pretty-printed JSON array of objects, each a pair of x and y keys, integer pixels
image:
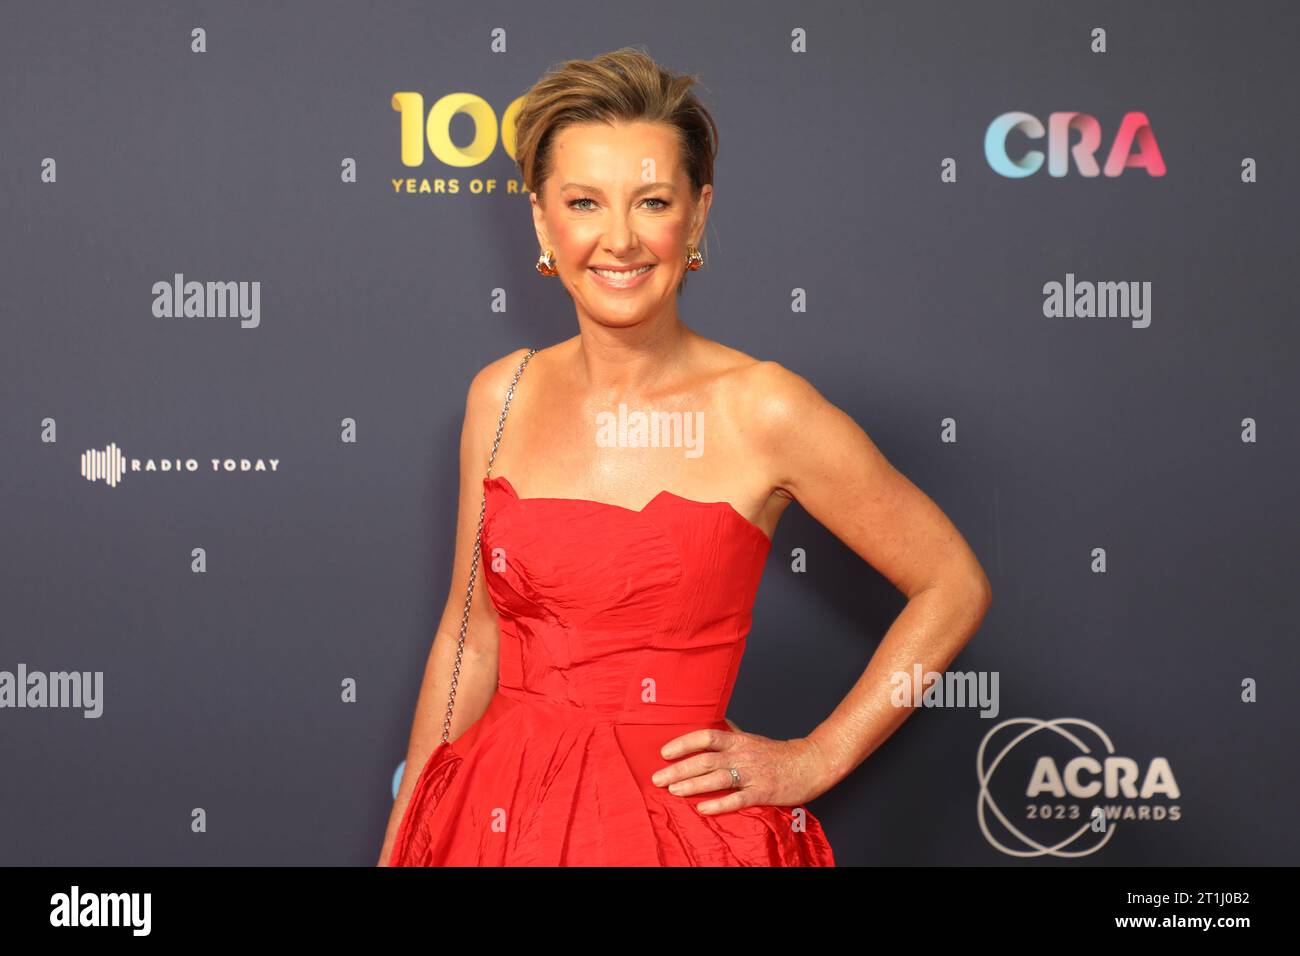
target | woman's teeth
[{"x": 622, "y": 275}]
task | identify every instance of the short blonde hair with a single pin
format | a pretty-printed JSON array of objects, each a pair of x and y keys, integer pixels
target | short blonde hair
[{"x": 625, "y": 85}]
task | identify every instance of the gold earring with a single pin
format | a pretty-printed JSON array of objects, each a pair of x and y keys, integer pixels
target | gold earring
[
  {"x": 546, "y": 263},
  {"x": 694, "y": 259}
]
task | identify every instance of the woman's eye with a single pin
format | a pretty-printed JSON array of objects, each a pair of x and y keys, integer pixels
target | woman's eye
[{"x": 573, "y": 204}]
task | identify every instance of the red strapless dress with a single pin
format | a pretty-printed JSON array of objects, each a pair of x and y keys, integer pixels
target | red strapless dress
[{"x": 620, "y": 630}]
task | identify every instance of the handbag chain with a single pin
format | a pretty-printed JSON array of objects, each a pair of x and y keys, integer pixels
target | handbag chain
[{"x": 478, "y": 544}]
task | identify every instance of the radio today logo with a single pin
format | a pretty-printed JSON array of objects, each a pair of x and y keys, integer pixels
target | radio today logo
[
  {"x": 1042, "y": 793},
  {"x": 110, "y": 465}
]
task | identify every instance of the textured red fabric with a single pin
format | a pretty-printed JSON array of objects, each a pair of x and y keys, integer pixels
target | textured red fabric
[{"x": 620, "y": 630}]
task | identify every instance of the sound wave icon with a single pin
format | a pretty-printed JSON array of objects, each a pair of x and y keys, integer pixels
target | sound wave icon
[{"x": 107, "y": 466}]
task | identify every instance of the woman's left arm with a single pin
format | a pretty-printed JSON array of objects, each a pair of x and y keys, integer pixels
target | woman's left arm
[
  {"x": 832, "y": 468},
  {"x": 822, "y": 458}
]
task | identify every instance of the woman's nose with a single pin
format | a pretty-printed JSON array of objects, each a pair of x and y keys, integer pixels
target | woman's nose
[{"x": 620, "y": 236}]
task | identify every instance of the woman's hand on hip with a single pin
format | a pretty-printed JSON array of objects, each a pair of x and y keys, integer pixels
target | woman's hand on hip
[{"x": 781, "y": 773}]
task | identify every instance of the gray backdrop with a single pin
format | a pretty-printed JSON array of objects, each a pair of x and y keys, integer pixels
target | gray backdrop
[{"x": 221, "y": 690}]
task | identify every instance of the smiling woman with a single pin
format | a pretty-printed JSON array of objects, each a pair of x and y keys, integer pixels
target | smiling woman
[
  {"x": 603, "y": 644},
  {"x": 647, "y": 191}
]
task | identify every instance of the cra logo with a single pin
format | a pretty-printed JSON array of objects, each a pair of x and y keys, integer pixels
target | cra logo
[
  {"x": 434, "y": 128},
  {"x": 1058, "y": 788},
  {"x": 1134, "y": 127}
]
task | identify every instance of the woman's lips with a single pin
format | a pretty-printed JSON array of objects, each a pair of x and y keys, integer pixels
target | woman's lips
[{"x": 632, "y": 280}]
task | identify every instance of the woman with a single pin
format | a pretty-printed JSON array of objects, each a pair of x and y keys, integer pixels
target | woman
[{"x": 605, "y": 635}]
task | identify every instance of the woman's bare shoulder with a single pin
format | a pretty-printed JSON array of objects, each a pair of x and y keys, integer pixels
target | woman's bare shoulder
[
  {"x": 488, "y": 388},
  {"x": 763, "y": 390},
  {"x": 773, "y": 407},
  {"x": 484, "y": 402}
]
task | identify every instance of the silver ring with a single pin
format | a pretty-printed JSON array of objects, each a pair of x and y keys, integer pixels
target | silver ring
[{"x": 735, "y": 776}]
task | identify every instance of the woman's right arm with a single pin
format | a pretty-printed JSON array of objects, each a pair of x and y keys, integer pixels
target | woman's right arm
[{"x": 477, "y": 680}]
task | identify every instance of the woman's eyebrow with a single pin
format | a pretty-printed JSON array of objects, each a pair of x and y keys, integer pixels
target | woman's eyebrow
[{"x": 596, "y": 189}]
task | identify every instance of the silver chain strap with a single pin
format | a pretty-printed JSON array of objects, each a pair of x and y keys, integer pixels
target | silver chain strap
[{"x": 478, "y": 541}]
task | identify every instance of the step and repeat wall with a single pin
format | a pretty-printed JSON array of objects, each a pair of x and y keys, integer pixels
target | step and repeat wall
[{"x": 253, "y": 255}]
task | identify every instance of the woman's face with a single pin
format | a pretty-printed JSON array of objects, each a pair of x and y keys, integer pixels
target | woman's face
[{"x": 618, "y": 198}]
